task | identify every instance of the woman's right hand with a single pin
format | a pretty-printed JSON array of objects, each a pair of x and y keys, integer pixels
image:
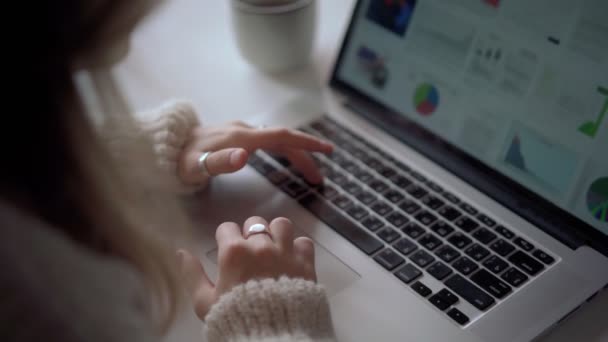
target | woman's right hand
[{"x": 243, "y": 257}]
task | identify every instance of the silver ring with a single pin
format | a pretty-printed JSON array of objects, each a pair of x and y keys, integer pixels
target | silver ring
[
  {"x": 262, "y": 126},
  {"x": 202, "y": 163},
  {"x": 257, "y": 228}
]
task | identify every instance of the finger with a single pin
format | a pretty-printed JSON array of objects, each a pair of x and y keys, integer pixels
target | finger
[
  {"x": 196, "y": 282},
  {"x": 304, "y": 250},
  {"x": 228, "y": 232},
  {"x": 306, "y": 165},
  {"x": 282, "y": 233},
  {"x": 277, "y": 138},
  {"x": 226, "y": 161},
  {"x": 259, "y": 239}
]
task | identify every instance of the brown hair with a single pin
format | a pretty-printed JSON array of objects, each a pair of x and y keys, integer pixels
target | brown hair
[{"x": 60, "y": 169}]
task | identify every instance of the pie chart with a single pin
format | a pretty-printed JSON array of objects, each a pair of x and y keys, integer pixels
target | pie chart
[
  {"x": 597, "y": 199},
  {"x": 426, "y": 99}
]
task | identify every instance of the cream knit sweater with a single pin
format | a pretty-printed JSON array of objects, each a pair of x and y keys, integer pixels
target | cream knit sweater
[{"x": 52, "y": 289}]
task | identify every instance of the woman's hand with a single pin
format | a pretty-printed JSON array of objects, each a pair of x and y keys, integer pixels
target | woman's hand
[
  {"x": 243, "y": 257},
  {"x": 232, "y": 143}
]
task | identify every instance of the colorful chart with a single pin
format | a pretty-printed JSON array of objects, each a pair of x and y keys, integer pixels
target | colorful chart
[
  {"x": 546, "y": 163},
  {"x": 590, "y": 128},
  {"x": 426, "y": 99},
  {"x": 597, "y": 199}
]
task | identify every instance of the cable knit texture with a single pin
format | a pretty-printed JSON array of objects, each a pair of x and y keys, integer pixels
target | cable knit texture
[
  {"x": 271, "y": 310},
  {"x": 167, "y": 128}
]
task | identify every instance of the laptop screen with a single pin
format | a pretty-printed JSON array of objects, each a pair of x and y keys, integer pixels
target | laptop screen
[{"x": 520, "y": 85}]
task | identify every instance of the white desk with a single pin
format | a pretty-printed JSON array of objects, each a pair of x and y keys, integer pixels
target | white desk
[{"x": 186, "y": 50}]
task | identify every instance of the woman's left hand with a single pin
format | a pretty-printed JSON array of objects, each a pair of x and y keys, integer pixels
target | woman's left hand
[{"x": 231, "y": 144}]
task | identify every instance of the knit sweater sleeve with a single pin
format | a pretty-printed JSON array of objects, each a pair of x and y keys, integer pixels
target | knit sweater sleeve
[
  {"x": 167, "y": 129},
  {"x": 271, "y": 310}
]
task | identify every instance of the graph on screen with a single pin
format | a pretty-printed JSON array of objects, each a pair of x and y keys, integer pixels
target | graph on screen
[
  {"x": 543, "y": 162},
  {"x": 597, "y": 199}
]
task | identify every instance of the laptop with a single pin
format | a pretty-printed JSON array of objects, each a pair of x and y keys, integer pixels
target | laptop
[{"x": 467, "y": 199}]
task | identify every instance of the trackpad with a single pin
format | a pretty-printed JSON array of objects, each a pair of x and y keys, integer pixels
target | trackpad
[{"x": 331, "y": 272}]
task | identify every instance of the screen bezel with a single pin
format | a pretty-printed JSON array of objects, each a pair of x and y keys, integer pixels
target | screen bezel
[{"x": 539, "y": 211}]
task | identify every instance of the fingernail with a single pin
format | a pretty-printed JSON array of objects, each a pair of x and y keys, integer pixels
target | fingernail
[{"x": 236, "y": 157}]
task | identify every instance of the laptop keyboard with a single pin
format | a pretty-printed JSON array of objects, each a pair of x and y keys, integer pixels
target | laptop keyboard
[{"x": 408, "y": 224}]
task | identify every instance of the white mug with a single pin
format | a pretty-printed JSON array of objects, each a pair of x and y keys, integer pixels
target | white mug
[{"x": 275, "y": 35}]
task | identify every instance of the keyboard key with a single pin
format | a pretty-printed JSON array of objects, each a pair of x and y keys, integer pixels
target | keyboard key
[
  {"x": 277, "y": 177},
  {"x": 375, "y": 164},
  {"x": 439, "y": 303},
  {"x": 281, "y": 160},
  {"x": 459, "y": 240},
  {"x": 357, "y": 212},
  {"x": 294, "y": 189},
  {"x": 432, "y": 202},
  {"x": 416, "y": 191},
  {"x": 408, "y": 273},
  {"x": 468, "y": 208},
  {"x": 378, "y": 186},
  {"x": 387, "y": 172},
  {"x": 402, "y": 166},
  {"x": 544, "y": 257},
  {"x": 400, "y": 181},
  {"x": 477, "y": 252},
  {"x": 341, "y": 224},
  {"x": 382, "y": 208},
  {"x": 486, "y": 220},
  {"x": 366, "y": 197},
  {"x": 439, "y": 270},
  {"x": 451, "y": 197},
  {"x": 421, "y": 289},
  {"x": 389, "y": 259},
  {"x": 418, "y": 176},
  {"x": 434, "y": 186},
  {"x": 430, "y": 242},
  {"x": 262, "y": 167},
  {"x": 442, "y": 228},
  {"x": 448, "y": 296},
  {"x": 465, "y": 265},
  {"x": 342, "y": 202},
  {"x": 389, "y": 235},
  {"x": 422, "y": 258},
  {"x": 365, "y": 177},
  {"x": 484, "y": 235},
  {"x": 505, "y": 232},
  {"x": 466, "y": 224},
  {"x": 469, "y": 292},
  {"x": 327, "y": 191},
  {"x": 526, "y": 263},
  {"x": 495, "y": 264},
  {"x": 525, "y": 245},
  {"x": 338, "y": 178},
  {"x": 458, "y": 316},
  {"x": 425, "y": 217},
  {"x": 502, "y": 247},
  {"x": 514, "y": 277},
  {"x": 491, "y": 284},
  {"x": 352, "y": 188},
  {"x": 449, "y": 213},
  {"x": 394, "y": 196},
  {"x": 405, "y": 246},
  {"x": 409, "y": 206},
  {"x": 447, "y": 253},
  {"x": 397, "y": 219},
  {"x": 372, "y": 223},
  {"x": 413, "y": 230},
  {"x": 351, "y": 168}
]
